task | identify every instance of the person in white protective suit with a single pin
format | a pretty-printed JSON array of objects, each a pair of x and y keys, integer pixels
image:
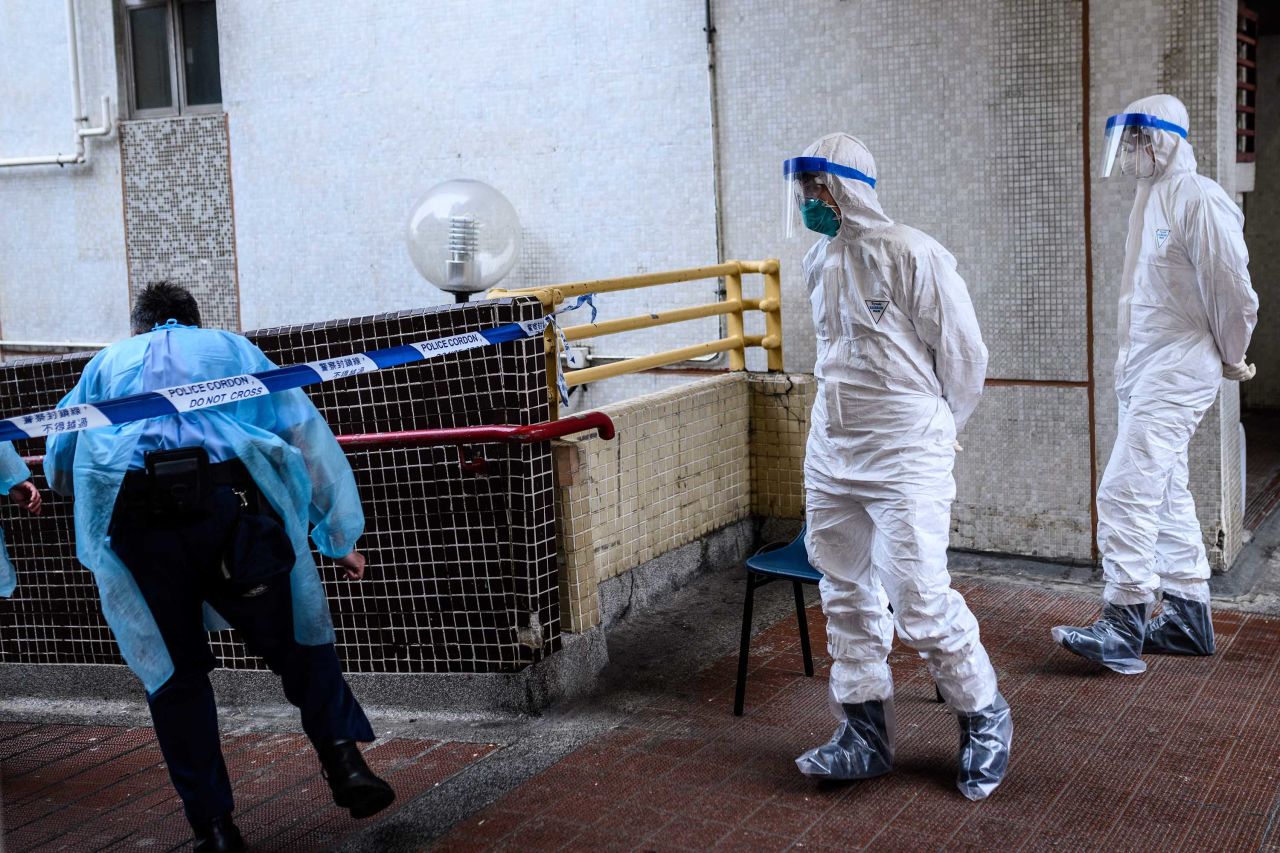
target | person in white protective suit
[
  {"x": 900, "y": 367},
  {"x": 1187, "y": 311}
]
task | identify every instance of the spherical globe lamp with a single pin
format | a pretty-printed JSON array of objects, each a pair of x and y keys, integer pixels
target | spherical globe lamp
[{"x": 463, "y": 237}]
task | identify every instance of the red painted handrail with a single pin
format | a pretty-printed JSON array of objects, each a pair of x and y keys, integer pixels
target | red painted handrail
[
  {"x": 492, "y": 434},
  {"x": 496, "y": 434}
]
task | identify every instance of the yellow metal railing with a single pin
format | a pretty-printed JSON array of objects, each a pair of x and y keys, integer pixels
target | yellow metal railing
[{"x": 735, "y": 340}]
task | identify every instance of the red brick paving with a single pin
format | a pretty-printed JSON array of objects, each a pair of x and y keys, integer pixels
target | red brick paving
[
  {"x": 81, "y": 788},
  {"x": 1185, "y": 757}
]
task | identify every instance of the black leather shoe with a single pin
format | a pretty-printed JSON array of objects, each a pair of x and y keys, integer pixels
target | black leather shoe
[
  {"x": 219, "y": 835},
  {"x": 354, "y": 785}
]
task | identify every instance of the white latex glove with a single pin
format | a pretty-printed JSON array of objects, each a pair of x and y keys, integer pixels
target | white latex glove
[
  {"x": 1241, "y": 372},
  {"x": 957, "y": 446}
]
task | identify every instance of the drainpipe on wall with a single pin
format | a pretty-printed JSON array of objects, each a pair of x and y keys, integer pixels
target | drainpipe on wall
[
  {"x": 716, "y": 183},
  {"x": 710, "y": 30},
  {"x": 77, "y": 116}
]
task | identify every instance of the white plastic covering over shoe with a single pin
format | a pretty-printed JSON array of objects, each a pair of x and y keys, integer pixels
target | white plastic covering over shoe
[
  {"x": 985, "y": 738},
  {"x": 1115, "y": 640},
  {"x": 1186, "y": 309},
  {"x": 1184, "y": 627},
  {"x": 861, "y": 748},
  {"x": 900, "y": 368}
]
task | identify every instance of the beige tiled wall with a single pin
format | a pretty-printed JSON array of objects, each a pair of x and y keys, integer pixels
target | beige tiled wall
[
  {"x": 685, "y": 462},
  {"x": 679, "y": 468},
  {"x": 780, "y": 408},
  {"x": 575, "y": 545}
]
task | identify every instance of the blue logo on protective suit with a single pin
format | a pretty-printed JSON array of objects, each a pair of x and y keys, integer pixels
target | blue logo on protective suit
[
  {"x": 877, "y": 308},
  {"x": 1162, "y": 234}
]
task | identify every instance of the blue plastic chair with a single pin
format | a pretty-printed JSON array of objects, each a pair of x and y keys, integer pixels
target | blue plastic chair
[{"x": 777, "y": 561}]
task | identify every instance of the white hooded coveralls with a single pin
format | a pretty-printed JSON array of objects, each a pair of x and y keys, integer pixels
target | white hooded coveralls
[
  {"x": 900, "y": 367},
  {"x": 1186, "y": 308}
]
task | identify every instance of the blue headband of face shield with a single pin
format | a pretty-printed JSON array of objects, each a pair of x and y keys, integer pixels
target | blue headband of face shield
[
  {"x": 821, "y": 164},
  {"x": 1144, "y": 120}
]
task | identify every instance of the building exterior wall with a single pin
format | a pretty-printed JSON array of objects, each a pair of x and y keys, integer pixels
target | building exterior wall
[
  {"x": 62, "y": 248},
  {"x": 594, "y": 125},
  {"x": 1012, "y": 213},
  {"x": 1262, "y": 228},
  {"x": 1022, "y": 480},
  {"x": 622, "y": 155}
]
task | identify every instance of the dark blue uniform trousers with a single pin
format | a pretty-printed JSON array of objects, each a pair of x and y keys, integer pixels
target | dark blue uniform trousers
[{"x": 178, "y": 563}]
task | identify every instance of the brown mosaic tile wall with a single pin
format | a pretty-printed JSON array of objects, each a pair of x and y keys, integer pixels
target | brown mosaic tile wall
[{"x": 462, "y": 568}]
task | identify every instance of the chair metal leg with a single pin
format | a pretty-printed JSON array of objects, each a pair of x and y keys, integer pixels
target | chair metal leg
[
  {"x": 803, "y": 623},
  {"x": 745, "y": 648}
]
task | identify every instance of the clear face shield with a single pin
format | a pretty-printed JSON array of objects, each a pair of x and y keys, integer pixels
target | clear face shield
[
  {"x": 809, "y": 203},
  {"x": 1130, "y": 144}
]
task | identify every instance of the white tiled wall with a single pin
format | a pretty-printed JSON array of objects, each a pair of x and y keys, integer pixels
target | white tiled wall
[
  {"x": 1022, "y": 480},
  {"x": 596, "y": 122},
  {"x": 971, "y": 110}
]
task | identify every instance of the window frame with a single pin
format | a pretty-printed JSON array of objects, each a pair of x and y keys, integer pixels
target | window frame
[
  {"x": 1247, "y": 81},
  {"x": 177, "y": 62}
]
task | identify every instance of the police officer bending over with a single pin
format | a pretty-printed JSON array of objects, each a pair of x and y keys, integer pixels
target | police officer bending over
[{"x": 193, "y": 521}]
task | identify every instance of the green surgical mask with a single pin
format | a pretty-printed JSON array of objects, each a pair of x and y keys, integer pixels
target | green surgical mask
[{"x": 819, "y": 216}]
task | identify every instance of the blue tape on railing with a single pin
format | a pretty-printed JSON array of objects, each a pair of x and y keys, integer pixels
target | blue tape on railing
[{"x": 195, "y": 396}]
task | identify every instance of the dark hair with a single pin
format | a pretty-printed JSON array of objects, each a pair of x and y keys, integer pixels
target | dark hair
[{"x": 161, "y": 302}]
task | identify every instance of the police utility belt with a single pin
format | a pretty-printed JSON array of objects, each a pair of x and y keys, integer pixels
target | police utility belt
[
  {"x": 178, "y": 482},
  {"x": 181, "y": 486}
]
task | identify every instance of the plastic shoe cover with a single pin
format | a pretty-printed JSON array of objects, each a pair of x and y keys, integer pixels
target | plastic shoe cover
[
  {"x": 1184, "y": 627},
  {"x": 861, "y": 748},
  {"x": 1115, "y": 640},
  {"x": 985, "y": 736}
]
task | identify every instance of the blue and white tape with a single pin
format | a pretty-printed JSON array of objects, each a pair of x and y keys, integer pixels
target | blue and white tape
[
  {"x": 587, "y": 299},
  {"x": 230, "y": 389}
]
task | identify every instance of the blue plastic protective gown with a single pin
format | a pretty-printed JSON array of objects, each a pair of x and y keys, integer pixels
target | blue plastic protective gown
[
  {"x": 281, "y": 439},
  {"x": 12, "y": 472}
]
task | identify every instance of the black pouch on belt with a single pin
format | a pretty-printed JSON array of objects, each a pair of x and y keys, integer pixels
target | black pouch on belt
[
  {"x": 178, "y": 479},
  {"x": 258, "y": 547}
]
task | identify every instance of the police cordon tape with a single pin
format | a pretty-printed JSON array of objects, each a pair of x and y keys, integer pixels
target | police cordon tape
[{"x": 230, "y": 389}]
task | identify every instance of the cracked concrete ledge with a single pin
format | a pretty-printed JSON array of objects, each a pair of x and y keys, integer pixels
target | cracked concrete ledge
[{"x": 636, "y": 590}]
